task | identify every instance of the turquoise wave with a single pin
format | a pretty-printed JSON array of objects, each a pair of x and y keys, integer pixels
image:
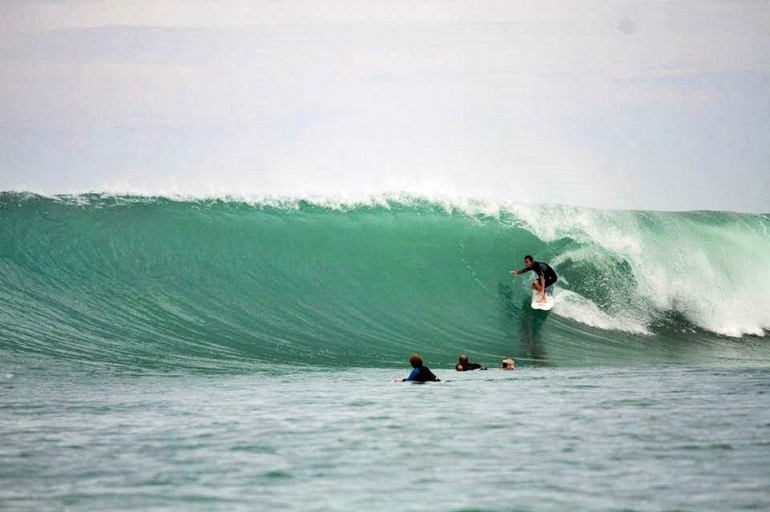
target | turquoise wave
[{"x": 223, "y": 284}]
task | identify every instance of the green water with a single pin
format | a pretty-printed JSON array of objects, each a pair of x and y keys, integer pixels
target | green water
[
  {"x": 169, "y": 354},
  {"x": 218, "y": 285},
  {"x": 655, "y": 438}
]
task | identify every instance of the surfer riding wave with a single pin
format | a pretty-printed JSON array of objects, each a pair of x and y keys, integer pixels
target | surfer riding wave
[{"x": 546, "y": 276}]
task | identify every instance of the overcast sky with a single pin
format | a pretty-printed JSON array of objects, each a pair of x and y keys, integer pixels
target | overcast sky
[{"x": 609, "y": 104}]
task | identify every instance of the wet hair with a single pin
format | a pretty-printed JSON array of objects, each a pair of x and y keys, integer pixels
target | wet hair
[
  {"x": 415, "y": 361},
  {"x": 528, "y": 257}
]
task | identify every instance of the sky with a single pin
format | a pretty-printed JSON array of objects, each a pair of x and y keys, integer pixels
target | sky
[{"x": 658, "y": 105}]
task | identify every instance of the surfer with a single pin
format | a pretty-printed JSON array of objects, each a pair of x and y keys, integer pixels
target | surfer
[
  {"x": 509, "y": 364},
  {"x": 463, "y": 365},
  {"x": 546, "y": 276},
  {"x": 420, "y": 373}
]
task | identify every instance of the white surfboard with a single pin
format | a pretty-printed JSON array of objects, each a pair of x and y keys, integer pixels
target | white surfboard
[{"x": 545, "y": 306}]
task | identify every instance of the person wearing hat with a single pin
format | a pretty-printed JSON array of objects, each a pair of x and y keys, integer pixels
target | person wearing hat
[{"x": 509, "y": 364}]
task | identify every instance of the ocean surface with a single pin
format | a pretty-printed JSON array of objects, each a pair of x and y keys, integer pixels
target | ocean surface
[{"x": 232, "y": 354}]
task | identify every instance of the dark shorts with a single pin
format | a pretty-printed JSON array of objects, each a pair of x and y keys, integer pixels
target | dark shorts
[{"x": 549, "y": 285}]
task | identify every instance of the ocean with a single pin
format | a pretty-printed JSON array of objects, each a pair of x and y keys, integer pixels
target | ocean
[{"x": 168, "y": 353}]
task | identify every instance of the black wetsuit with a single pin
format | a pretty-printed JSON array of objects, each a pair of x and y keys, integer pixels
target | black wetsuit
[
  {"x": 422, "y": 374},
  {"x": 544, "y": 269},
  {"x": 468, "y": 366}
]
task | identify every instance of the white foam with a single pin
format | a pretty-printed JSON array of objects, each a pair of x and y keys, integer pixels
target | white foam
[
  {"x": 571, "y": 305},
  {"x": 716, "y": 273}
]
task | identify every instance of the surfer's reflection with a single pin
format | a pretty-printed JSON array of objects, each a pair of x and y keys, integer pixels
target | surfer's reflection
[{"x": 529, "y": 322}]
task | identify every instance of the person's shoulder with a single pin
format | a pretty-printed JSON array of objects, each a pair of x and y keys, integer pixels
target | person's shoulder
[{"x": 428, "y": 375}]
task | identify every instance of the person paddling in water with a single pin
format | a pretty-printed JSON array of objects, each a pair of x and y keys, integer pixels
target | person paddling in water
[
  {"x": 463, "y": 365},
  {"x": 420, "y": 372},
  {"x": 546, "y": 276}
]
